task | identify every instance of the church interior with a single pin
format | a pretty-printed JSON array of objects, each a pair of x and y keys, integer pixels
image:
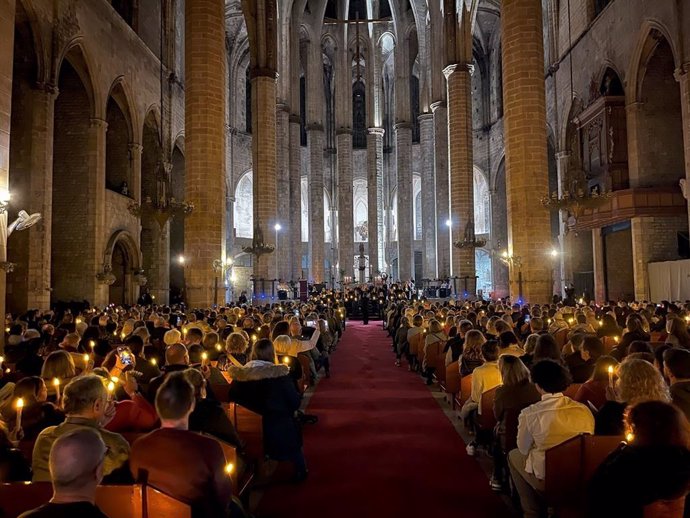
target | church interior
[{"x": 237, "y": 187}]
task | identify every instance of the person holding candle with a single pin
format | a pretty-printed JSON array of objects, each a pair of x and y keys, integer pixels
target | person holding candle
[
  {"x": 86, "y": 405},
  {"x": 58, "y": 365},
  {"x": 37, "y": 412},
  {"x": 593, "y": 391},
  {"x": 653, "y": 465},
  {"x": 638, "y": 380}
]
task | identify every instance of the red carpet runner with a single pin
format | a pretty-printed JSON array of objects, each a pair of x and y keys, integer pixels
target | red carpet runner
[{"x": 382, "y": 447}]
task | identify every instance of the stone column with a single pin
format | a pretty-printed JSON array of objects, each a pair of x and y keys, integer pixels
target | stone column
[
  {"x": 440, "y": 114},
  {"x": 529, "y": 231},
  {"x": 7, "y": 9},
  {"x": 460, "y": 163},
  {"x": 426, "y": 138},
  {"x": 283, "y": 252},
  {"x": 41, "y": 199},
  {"x": 374, "y": 170},
  {"x": 346, "y": 231},
  {"x": 684, "y": 80},
  {"x": 295, "y": 200},
  {"x": 599, "y": 266},
  {"x": 315, "y": 143},
  {"x": 205, "y": 94},
  {"x": 135, "y": 152},
  {"x": 566, "y": 252},
  {"x": 94, "y": 224},
  {"x": 403, "y": 147},
  {"x": 264, "y": 163}
]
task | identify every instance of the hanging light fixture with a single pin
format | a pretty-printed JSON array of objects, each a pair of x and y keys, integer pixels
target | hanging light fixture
[{"x": 165, "y": 206}]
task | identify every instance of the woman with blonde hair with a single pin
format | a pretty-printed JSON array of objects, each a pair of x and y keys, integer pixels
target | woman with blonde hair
[
  {"x": 172, "y": 337},
  {"x": 471, "y": 356},
  {"x": 58, "y": 364},
  {"x": 236, "y": 347},
  {"x": 638, "y": 380}
]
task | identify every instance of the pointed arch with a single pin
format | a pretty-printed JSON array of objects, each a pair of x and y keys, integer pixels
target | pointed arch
[{"x": 78, "y": 58}]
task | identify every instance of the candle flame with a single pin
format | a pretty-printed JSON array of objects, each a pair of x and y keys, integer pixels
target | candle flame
[
  {"x": 229, "y": 468},
  {"x": 153, "y": 361},
  {"x": 20, "y": 403},
  {"x": 86, "y": 358},
  {"x": 629, "y": 437},
  {"x": 56, "y": 382},
  {"x": 610, "y": 369},
  {"x": 111, "y": 387},
  {"x": 286, "y": 360}
]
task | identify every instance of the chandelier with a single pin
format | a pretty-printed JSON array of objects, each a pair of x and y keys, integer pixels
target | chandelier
[
  {"x": 469, "y": 239},
  {"x": 259, "y": 246},
  {"x": 162, "y": 209},
  {"x": 575, "y": 201}
]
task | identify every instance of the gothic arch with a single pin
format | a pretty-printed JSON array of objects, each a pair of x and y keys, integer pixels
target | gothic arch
[
  {"x": 76, "y": 55},
  {"x": 128, "y": 242},
  {"x": 122, "y": 95},
  {"x": 39, "y": 50},
  {"x": 649, "y": 39}
]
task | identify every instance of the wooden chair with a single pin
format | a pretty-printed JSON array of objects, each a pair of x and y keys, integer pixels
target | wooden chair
[
  {"x": 132, "y": 501},
  {"x": 465, "y": 389},
  {"x": 486, "y": 420},
  {"x": 452, "y": 384},
  {"x": 572, "y": 390},
  {"x": 665, "y": 509}
]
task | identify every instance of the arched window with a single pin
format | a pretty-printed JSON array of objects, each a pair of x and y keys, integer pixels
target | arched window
[
  {"x": 304, "y": 186},
  {"x": 327, "y": 227},
  {"x": 360, "y": 203},
  {"x": 482, "y": 260},
  {"x": 244, "y": 206},
  {"x": 359, "y": 116},
  {"x": 482, "y": 213},
  {"x": 417, "y": 205}
]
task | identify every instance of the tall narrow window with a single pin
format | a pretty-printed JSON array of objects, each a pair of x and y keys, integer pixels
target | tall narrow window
[
  {"x": 302, "y": 111},
  {"x": 414, "y": 104},
  {"x": 359, "y": 116},
  {"x": 248, "y": 102},
  {"x": 244, "y": 203}
]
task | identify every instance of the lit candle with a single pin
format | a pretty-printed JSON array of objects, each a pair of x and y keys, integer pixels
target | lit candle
[
  {"x": 610, "y": 370},
  {"x": 219, "y": 347},
  {"x": 111, "y": 389},
  {"x": 153, "y": 362},
  {"x": 7, "y": 330},
  {"x": 615, "y": 339},
  {"x": 254, "y": 337},
  {"x": 629, "y": 437},
  {"x": 2, "y": 359},
  {"x": 56, "y": 384},
  {"x": 92, "y": 344},
  {"x": 204, "y": 359},
  {"x": 20, "y": 407},
  {"x": 286, "y": 360},
  {"x": 229, "y": 468},
  {"x": 87, "y": 359}
]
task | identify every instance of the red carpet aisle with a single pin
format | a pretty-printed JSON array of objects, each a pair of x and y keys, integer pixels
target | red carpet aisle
[{"x": 382, "y": 447}]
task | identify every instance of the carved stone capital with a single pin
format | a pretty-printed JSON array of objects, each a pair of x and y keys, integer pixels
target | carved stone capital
[
  {"x": 436, "y": 105},
  {"x": 458, "y": 67},
  {"x": 379, "y": 132},
  {"x": 98, "y": 123},
  {"x": 429, "y": 117},
  {"x": 344, "y": 131},
  {"x": 135, "y": 149}
]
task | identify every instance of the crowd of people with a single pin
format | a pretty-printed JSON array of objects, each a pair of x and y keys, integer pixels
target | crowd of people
[
  {"x": 77, "y": 385},
  {"x": 631, "y": 367}
]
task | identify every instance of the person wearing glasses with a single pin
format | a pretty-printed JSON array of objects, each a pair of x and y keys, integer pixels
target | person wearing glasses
[{"x": 76, "y": 469}]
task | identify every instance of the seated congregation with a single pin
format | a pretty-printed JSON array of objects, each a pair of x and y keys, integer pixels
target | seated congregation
[
  {"x": 151, "y": 411},
  {"x": 583, "y": 410}
]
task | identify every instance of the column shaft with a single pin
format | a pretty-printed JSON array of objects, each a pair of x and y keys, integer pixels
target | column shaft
[
  {"x": 684, "y": 80},
  {"x": 40, "y": 236},
  {"x": 599, "y": 266},
  {"x": 346, "y": 231},
  {"x": 283, "y": 252},
  {"x": 315, "y": 139},
  {"x": 295, "y": 200},
  {"x": 94, "y": 225},
  {"x": 442, "y": 188},
  {"x": 403, "y": 147},
  {"x": 426, "y": 138},
  {"x": 460, "y": 163},
  {"x": 264, "y": 173},
  {"x": 7, "y": 9},
  {"x": 205, "y": 94},
  {"x": 525, "y": 140},
  {"x": 374, "y": 166}
]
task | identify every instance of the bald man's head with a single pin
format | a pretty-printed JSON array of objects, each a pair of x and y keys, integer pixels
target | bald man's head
[
  {"x": 76, "y": 460},
  {"x": 176, "y": 354}
]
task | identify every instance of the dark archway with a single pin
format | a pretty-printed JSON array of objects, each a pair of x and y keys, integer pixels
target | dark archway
[
  {"x": 72, "y": 144},
  {"x": 120, "y": 268},
  {"x": 118, "y": 137}
]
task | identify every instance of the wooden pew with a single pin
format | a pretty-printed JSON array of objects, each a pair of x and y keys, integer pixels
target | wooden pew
[
  {"x": 569, "y": 467},
  {"x": 486, "y": 420},
  {"x": 465, "y": 389},
  {"x": 452, "y": 383},
  {"x": 133, "y": 501}
]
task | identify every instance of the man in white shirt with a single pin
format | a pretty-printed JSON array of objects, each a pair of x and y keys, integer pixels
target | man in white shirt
[{"x": 553, "y": 420}]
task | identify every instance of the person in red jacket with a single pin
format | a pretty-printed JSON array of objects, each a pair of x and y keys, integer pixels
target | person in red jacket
[
  {"x": 135, "y": 414},
  {"x": 185, "y": 465}
]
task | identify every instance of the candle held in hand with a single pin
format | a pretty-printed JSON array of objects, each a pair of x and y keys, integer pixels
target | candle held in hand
[
  {"x": 56, "y": 384},
  {"x": 20, "y": 407},
  {"x": 610, "y": 370}
]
